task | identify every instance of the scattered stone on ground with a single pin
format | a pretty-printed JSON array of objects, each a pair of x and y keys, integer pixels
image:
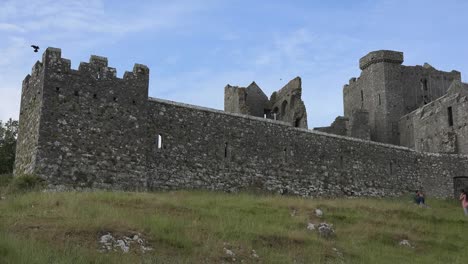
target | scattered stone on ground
[
  {"x": 326, "y": 230},
  {"x": 230, "y": 254},
  {"x": 254, "y": 254},
  {"x": 293, "y": 212},
  {"x": 2, "y": 197},
  {"x": 337, "y": 252},
  {"x": 318, "y": 212},
  {"x": 110, "y": 243},
  {"x": 310, "y": 226},
  {"x": 405, "y": 243}
]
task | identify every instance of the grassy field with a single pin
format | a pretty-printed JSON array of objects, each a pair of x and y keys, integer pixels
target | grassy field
[{"x": 197, "y": 227}]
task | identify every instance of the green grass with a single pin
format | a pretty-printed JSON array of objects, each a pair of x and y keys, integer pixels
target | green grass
[{"x": 194, "y": 227}]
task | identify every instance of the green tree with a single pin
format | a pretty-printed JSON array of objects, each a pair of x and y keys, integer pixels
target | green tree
[{"x": 8, "y": 133}]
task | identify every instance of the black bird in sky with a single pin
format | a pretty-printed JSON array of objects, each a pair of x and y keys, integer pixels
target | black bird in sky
[{"x": 36, "y": 48}]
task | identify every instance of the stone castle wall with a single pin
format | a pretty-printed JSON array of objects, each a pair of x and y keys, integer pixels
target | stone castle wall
[
  {"x": 440, "y": 126},
  {"x": 98, "y": 131},
  {"x": 209, "y": 149}
]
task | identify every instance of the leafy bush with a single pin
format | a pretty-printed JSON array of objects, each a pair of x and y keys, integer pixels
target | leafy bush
[
  {"x": 5, "y": 179},
  {"x": 26, "y": 182},
  {"x": 8, "y": 133}
]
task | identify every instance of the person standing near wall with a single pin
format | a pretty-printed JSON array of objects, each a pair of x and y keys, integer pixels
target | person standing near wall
[{"x": 464, "y": 201}]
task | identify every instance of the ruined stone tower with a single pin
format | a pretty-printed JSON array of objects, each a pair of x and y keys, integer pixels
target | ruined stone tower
[
  {"x": 388, "y": 90},
  {"x": 284, "y": 105}
]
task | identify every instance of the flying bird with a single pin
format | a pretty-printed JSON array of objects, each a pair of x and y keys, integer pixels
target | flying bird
[{"x": 36, "y": 48}]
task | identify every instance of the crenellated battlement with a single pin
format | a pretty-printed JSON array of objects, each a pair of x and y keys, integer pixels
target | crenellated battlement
[{"x": 97, "y": 67}]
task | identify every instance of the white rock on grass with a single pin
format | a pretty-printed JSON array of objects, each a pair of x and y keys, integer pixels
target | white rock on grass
[
  {"x": 120, "y": 243},
  {"x": 310, "y": 226},
  {"x": 107, "y": 238},
  {"x": 405, "y": 243},
  {"x": 109, "y": 243},
  {"x": 254, "y": 254},
  {"x": 337, "y": 252},
  {"x": 318, "y": 212},
  {"x": 229, "y": 252},
  {"x": 326, "y": 230}
]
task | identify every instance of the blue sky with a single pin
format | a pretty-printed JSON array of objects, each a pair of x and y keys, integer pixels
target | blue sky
[{"x": 195, "y": 48}]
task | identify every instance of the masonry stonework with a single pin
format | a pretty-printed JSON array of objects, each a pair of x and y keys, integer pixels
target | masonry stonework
[{"x": 87, "y": 128}]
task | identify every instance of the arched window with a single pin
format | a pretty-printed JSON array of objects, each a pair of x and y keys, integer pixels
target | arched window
[{"x": 283, "y": 107}]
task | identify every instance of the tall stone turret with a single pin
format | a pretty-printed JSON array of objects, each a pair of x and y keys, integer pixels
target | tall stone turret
[
  {"x": 83, "y": 127},
  {"x": 388, "y": 90}
]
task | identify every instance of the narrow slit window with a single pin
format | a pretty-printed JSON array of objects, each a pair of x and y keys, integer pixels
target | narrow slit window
[
  {"x": 380, "y": 102},
  {"x": 362, "y": 96},
  {"x": 450, "y": 116},
  {"x": 285, "y": 155},
  {"x": 159, "y": 141}
]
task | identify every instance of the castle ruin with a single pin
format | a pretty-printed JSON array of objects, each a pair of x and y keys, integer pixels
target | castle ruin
[
  {"x": 284, "y": 105},
  {"x": 87, "y": 128}
]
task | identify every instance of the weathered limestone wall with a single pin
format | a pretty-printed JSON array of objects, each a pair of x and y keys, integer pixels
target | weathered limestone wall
[
  {"x": 435, "y": 128},
  {"x": 249, "y": 100},
  {"x": 208, "y": 149},
  {"x": 235, "y": 100},
  {"x": 338, "y": 127},
  {"x": 30, "y": 115}
]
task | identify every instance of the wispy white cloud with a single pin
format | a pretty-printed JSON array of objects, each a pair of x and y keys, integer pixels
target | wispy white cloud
[
  {"x": 11, "y": 28},
  {"x": 78, "y": 25}
]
